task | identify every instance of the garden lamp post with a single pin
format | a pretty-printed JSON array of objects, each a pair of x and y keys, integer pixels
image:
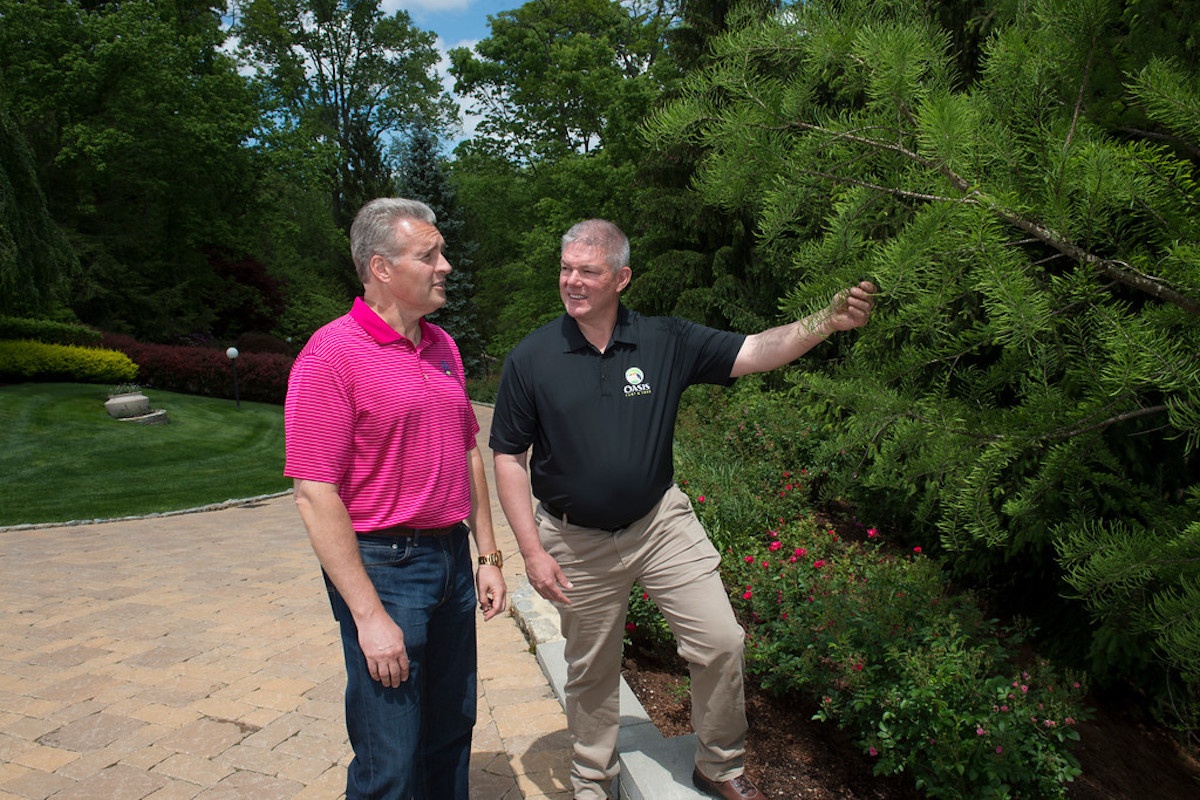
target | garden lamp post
[{"x": 233, "y": 354}]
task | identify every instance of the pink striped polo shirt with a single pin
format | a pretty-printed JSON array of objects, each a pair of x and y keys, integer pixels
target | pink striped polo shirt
[{"x": 389, "y": 423}]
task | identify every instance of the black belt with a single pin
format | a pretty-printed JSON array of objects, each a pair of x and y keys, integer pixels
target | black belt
[
  {"x": 562, "y": 517},
  {"x": 402, "y": 531}
]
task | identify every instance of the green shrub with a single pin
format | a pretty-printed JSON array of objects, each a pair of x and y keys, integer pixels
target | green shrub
[
  {"x": 483, "y": 389},
  {"x": 29, "y": 360},
  {"x": 48, "y": 331},
  {"x": 645, "y": 627},
  {"x": 744, "y": 456},
  {"x": 254, "y": 342},
  {"x": 914, "y": 673},
  {"x": 307, "y": 310},
  {"x": 1142, "y": 585}
]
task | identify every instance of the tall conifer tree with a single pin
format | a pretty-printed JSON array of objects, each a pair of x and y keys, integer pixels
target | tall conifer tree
[
  {"x": 35, "y": 256},
  {"x": 1028, "y": 393},
  {"x": 421, "y": 175}
]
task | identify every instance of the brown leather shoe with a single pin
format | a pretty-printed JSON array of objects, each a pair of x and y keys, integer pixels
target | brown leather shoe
[{"x": 739, "y": 788}]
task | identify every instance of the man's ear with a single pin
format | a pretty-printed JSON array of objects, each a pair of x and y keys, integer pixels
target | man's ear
[
  {"x": 624, "y": 276},
  {"x": 380, "y": 268}
]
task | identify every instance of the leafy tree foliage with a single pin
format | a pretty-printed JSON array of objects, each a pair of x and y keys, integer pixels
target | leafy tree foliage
[
  {"x": 563, "y": 85},
  {"x": 198, "y": 204},
  {"x": 339, "y": 77},
  {"x": 136, "y": 122},
  {"x": 696, "y": 260},
  {"x": 558, "y": 77},
  {"x": 1030, "y": 378},
  {"x": 303, "y": 248},
  {"x": 498, "y": 198}
]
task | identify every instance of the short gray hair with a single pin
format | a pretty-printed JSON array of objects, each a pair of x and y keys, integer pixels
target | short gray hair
[
  {"x": 374, "y": 229},
  {"x": 602, "y": 234}
]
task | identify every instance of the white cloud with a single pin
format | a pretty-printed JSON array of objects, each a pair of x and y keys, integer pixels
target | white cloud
[
  {"x": 469, "y": 121},
  {"x": 390, "y": 7}
]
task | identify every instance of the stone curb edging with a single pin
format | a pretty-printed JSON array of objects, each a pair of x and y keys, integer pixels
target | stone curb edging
[
  {"x": 652, "y": 766},
  {"x": 244, "y": 501}
]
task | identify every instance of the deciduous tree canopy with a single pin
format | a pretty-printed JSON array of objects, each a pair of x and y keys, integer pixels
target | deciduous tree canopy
[{"x": 345, "y": 77}]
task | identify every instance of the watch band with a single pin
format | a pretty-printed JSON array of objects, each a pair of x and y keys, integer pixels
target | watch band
[{"x": 495, "y": 559}]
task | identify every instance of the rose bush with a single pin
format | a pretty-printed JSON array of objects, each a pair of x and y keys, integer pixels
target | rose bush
[{"x": 915, "y": 672}]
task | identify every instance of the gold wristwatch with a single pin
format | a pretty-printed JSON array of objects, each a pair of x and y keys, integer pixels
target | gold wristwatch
[{"x": 495, "y": 559}]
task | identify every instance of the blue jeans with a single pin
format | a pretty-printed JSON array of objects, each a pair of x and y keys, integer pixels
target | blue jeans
[{"x": 414, "y": 742}]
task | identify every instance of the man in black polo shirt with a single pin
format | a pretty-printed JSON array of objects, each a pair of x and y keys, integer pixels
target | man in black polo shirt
[{"x": 595, "y": 393}]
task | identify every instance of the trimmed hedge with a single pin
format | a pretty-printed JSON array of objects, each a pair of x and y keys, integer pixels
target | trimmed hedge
[
  {"x": 29, "y": 360},
  {"x": 206, "y": 371},
  {"x": 42, "y": 330}
]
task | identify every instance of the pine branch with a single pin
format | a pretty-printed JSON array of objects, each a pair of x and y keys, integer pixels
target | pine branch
[
  {"x": 1115, "y": 269},
  {"x": 1104, "y": 423},
  {"x": 1087, "y": 71},
  {"x": 1119, "y": 271},
  {"x": 1168, "y": 138},
  {"x": 931, "y": 198},
  {"x": 1029, "y": 440}
]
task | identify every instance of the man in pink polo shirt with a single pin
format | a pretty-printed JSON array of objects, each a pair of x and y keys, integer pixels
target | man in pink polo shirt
[{"x": 381, "y": 448}]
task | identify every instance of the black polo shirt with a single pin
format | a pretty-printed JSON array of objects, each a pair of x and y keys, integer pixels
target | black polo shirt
[{"x": 602, "y": 424}]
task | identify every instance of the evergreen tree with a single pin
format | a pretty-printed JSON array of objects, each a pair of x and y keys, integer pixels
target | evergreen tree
[
  {"x": 1030, "y": 379},
  {"x": 422, "y": 176},
  {"x": 696, "y": 260},
  {"x": 35, "y": 257}
]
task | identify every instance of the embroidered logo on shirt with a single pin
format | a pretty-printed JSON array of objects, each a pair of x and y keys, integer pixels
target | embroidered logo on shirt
[
  {"x": 445, "y": 367},
  {"x": 635, "y": 382}
]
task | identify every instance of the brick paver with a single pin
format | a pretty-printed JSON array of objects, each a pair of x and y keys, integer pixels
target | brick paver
[{"x": 194, "y": 656}]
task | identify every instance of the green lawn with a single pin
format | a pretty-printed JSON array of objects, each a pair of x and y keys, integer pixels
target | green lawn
[{"x": 63, "y": 458}]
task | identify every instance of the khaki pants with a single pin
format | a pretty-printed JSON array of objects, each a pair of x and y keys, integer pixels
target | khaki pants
[{"x": 669, "y": 554}]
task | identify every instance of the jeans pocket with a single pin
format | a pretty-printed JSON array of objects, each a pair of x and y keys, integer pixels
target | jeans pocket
[{"x": 381, "y": 553}]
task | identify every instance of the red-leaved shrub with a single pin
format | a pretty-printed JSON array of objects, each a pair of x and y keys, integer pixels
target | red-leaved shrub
[{"x": 204, "y": 370}]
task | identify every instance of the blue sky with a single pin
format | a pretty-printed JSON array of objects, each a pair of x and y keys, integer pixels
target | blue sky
[{"x": 458, "y": 23}]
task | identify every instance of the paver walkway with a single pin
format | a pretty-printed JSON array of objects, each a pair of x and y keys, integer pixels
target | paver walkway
[{"x": 195, "y": 656}]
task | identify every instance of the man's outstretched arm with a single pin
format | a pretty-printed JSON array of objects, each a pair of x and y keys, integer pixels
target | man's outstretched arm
[{"x": 774, "y": 347}]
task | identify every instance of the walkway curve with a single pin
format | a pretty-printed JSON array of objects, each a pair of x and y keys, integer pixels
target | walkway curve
[{"x": 193, "y": 655}]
